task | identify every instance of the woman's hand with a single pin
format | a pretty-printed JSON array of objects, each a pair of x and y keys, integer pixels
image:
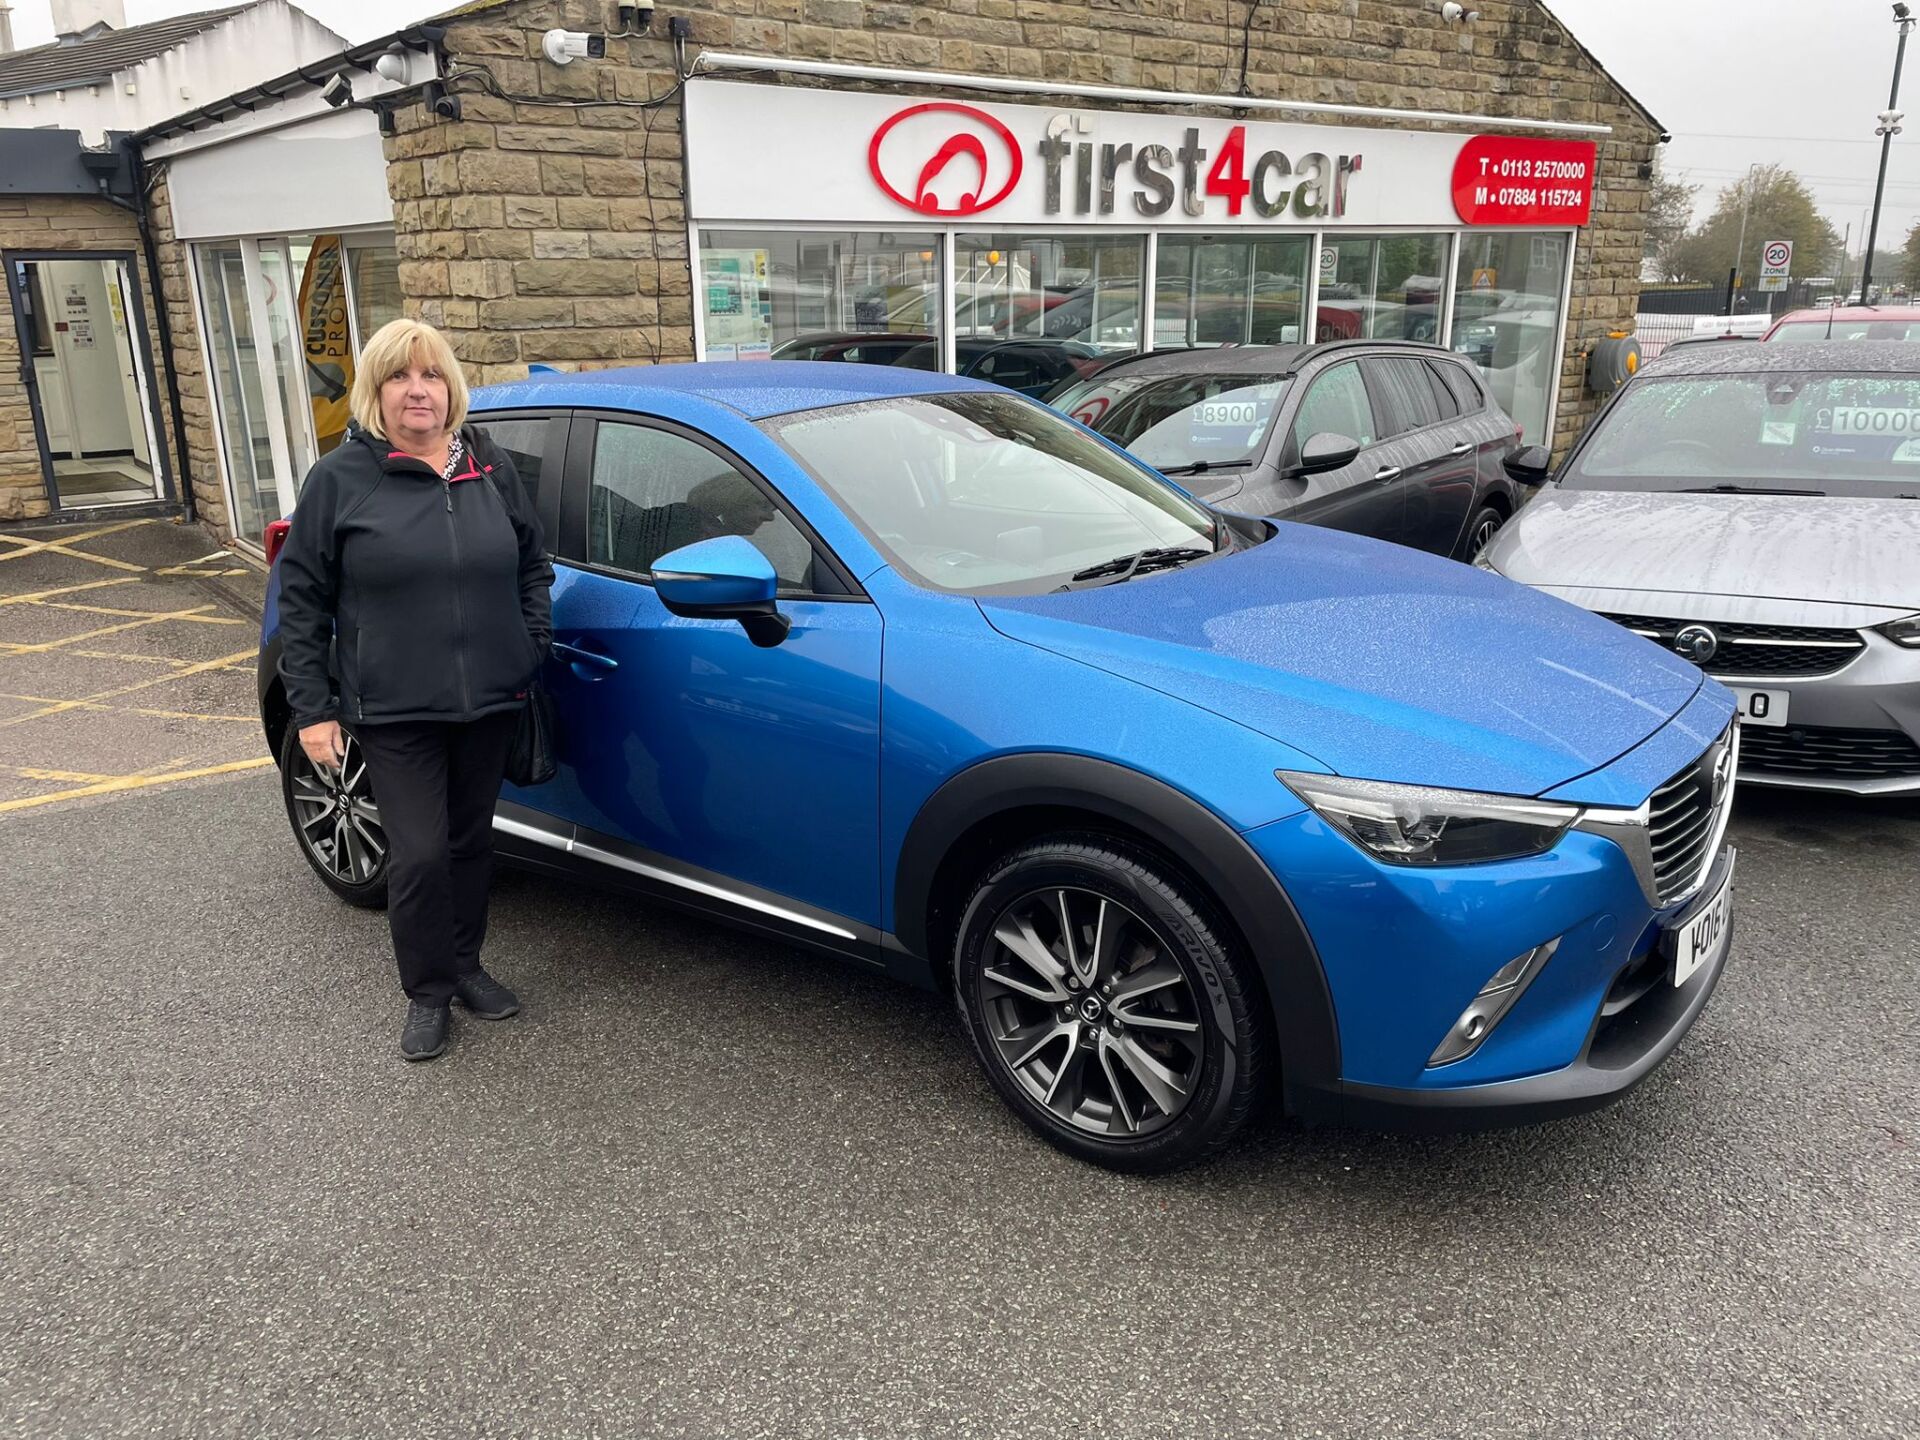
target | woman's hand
[{"x": 324, "y": 743}]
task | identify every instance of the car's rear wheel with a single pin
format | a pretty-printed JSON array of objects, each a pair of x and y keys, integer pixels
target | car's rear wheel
[
  {"x": 1485, "y": 524},
  {"x": 336, "y": 821},
  {"x": 1107, "y": 1007}
]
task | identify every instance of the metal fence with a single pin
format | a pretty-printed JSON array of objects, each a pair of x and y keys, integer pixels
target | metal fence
[{"x": 1656, "y": 332}]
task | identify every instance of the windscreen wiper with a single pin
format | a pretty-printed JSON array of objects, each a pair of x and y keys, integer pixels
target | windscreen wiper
[
  {"x": 1747, "y": 490},
  {"x": 1125, "y": 567},
  {"x": 1200, "y": 467}
]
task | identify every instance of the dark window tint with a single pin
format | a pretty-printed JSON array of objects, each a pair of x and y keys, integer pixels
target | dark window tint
[
  {"x": 524, "y": 441},
  {"x": 654, "y": 491},
  {"x": 1336, "y": 404},
  {"x": 1465, "y": 388},
  {"x": 1443, "y": 397},
  {"x": 1405, "y": 392},
  {"x": 1015, "y": 369}
]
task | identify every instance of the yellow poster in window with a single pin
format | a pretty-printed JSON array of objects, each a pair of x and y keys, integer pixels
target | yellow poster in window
[{"x": 326, "y": 341}]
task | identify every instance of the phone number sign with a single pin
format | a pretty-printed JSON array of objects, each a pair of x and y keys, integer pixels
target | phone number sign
[{"x": 1519, "y": 180}]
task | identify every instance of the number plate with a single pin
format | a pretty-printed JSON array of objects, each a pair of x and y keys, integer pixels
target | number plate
[
  {"x": 1762, "y": 707},
  {"x": 1705, "y": 928}
]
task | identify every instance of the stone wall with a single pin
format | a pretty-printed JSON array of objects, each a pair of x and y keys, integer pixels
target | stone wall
[
  {"x": 202, "y": 471},
  {"x": 56, "y": 222},
  {"x": 550, "y": 226}
]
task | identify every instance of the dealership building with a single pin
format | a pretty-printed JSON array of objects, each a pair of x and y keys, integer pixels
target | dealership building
[{"x": 584, "y": 185}]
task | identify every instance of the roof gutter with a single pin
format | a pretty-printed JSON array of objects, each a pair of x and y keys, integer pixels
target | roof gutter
[{"x": 713, "y": 61}]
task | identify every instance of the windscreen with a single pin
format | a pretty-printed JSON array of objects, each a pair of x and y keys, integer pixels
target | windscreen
[
  {"x": 985, "y": 492},
  {"x": 1831, "y": 434},
  {"x": 1172, "y": 421}
]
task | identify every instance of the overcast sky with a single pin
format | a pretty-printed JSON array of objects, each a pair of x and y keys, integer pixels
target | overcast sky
[{"x": 1797, "y": 82}]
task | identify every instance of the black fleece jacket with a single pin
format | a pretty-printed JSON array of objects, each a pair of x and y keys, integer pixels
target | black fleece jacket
[{"x": 437, "y": 590}]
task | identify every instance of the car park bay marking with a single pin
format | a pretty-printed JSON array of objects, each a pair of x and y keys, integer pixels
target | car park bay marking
[
  {"x": 15, "y": 648},
  {"x": 64, "y": 546},
  {"x": 39, "y": 596},
  {"x": 56, "y": 708},
  {"x": 133, "y": 782}
]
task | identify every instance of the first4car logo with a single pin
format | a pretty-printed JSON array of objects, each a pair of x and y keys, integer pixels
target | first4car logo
[
  {"x": 946, "y": 158},
  {"x": 944, "y": 149}
]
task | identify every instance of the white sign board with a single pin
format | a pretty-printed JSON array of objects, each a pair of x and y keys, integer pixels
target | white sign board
[
  {"x": 760, "y": 153},
  {"x": 1776, "y": 263}
]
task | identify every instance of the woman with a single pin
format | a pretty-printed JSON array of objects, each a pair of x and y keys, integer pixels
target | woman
[{"x": 416, "y": 556}]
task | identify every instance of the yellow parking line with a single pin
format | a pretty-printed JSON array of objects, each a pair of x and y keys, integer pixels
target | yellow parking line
[
  {"x": 130, "y": 659},
  {"x": 131, "y": 782},
  {"x": 103, "y": 610},
  {"x": 13, "y": 648},
  {"x": 64, "y": 705},
  {"x": 71, "y": 777},
  {"x": 36, "y": 596},
  {"x": 64, "y": 544},
  {"x": 133, "y": 709}
]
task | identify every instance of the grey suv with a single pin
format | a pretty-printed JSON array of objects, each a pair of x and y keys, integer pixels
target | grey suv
[
  {"x": 1395, "y": 440},
  {"x": 1756, "y": 508}
]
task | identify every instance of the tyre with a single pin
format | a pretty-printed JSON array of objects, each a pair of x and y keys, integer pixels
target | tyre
[
  {"x": 336, "y": 822},
  {"x": 1486, "y": 521},
  {"x": 1107, "y": 1006}
]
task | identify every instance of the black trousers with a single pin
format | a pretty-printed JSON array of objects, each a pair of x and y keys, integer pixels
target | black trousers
[{"x": 436, "y": 783}]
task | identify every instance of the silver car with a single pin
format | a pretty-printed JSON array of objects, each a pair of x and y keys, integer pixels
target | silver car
[{"x": 1756, "y": 509}]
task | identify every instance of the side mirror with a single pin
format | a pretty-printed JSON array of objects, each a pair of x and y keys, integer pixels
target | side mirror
[
  {"x": 726, "y": 578},
  {"x": 1326, "y": 451},
  {"x": 1530, "y": 466}
]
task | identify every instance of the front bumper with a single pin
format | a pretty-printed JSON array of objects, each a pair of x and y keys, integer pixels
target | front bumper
[
  {"x": 1620, "y": 1051},
  {"x": 1406, "y": 950},
  {"x": 1856, "y": 732}
]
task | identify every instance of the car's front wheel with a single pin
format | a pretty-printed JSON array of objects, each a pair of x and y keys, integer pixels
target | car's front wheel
[
  {"x": 1107, "y": 1006},
  {"x": 336, "y": 821},
  {"x": 1483, "y": 527}
]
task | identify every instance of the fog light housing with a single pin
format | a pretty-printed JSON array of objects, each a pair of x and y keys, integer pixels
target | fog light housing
[{"x": 1490, "y": 1006}]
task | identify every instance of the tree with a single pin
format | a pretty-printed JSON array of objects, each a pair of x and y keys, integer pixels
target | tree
[
  {"x": 1669, "y": 213},
  {"x": 1909, "y": 270},
  {"x": 1782, "y": 208}
]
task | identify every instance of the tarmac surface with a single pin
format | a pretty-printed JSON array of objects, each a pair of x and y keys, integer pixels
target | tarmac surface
[{"x": 706, "y": 1185}]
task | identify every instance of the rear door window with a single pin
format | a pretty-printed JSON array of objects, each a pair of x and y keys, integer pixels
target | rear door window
[
  {"x": 1460, "y": 381},
  {"x": 1442, "y": 396},
  {"x": 1404, "y": 393},
  {"x": 535, "y": 445}
]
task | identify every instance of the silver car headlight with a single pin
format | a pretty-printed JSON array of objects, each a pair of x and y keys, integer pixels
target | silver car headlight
[
  {"x": 1421, "y": 825},
  {"x": 1903, "y": 632},
  {"x": 1481, "y": 562}
]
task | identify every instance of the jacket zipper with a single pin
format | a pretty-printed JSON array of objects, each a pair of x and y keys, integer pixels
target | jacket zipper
[{"x": 459, "y": 610}]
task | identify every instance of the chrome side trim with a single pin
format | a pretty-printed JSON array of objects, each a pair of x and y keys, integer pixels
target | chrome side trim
[{"x": 569, "y": 845}]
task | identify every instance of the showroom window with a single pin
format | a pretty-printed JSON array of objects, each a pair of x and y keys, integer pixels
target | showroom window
[
  {"x": 1227, "y": 291},
  {"x": 1506, "y": 318},
  {"x": 772, "y": 294},
  {"x": 1080, "y": 292},
  {"x": 1381, "y": 287}
]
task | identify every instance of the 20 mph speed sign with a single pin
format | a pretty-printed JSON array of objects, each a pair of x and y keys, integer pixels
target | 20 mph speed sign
[{"x": 1776, "y": 262}]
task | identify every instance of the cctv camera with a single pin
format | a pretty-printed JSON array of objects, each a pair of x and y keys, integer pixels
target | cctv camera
[
  {"x": 446, "y": 106},
  {"x": 392, "y": 65},
  {"x": 337, "y": 92},
  {"x": 1900, "y": 12}
]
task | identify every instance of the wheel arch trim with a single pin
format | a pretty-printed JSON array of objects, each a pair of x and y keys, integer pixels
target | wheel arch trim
[{"x": 1217, "y": 855}]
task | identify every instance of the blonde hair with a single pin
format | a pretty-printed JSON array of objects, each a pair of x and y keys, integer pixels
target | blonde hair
[{"x": 395, "y": 346}]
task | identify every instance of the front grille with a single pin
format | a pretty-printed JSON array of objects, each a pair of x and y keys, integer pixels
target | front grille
[
  {"x": 1772, "y": 651},
  {"x": 1794, "y": 751},
  {"x": 1683, "y": 821}
]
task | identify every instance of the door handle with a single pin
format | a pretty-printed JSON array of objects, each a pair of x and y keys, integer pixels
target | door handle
[
  {"x": 1463, "y": 448},
  {"x": 1387, "y": 472},
  {"x": 573, "y": 654}
]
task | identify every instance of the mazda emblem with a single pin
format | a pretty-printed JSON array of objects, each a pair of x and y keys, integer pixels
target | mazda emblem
[{"x": 1696, "y": 643}]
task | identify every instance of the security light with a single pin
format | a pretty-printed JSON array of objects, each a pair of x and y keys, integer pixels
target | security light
[{"x": 337, "y": 92}]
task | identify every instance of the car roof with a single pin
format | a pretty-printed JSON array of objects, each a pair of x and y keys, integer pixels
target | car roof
[
  {"x": 754, "y": 389},
  {"x": 1852, "y": 312},
  {"x": 1258, "y": 359},
  {"x": 1869, "y": 356}
]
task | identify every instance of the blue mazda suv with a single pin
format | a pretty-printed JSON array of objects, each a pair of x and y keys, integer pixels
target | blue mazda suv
[{"x": 1186, "y": 809}]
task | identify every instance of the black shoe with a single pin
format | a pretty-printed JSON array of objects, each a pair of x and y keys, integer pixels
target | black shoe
[
  {"x": 425, "y": 1033},
  {"x": 485, "y": 996}
]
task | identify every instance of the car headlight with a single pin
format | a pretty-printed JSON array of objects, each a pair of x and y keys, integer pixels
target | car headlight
[
  {"x": 1420, "y": 825},
  {"x": 1481, "y": 562},
  {"x": 1903, "y": 632}
]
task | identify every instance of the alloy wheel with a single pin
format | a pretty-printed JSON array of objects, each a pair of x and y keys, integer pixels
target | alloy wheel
[
  {"x": 336, "y": 817},
  {"x": 1482, "y": 533},
  {"x": 1092, "y": 1013}
]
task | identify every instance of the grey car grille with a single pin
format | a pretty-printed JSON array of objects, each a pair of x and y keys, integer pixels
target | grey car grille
[
  {"x": 1801, "y": 652},
  {"x": 1683, "y": 821},
  {"x": 1810, "y": 751}
]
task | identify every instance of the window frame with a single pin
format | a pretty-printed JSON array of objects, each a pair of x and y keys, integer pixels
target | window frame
[
  {"x": 1384, "y": 402},
  {"x": 1472, "y": 381},
  {"x": 574, "y": 540}
]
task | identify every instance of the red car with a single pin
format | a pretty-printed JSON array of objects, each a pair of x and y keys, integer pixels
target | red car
[{"x": 1849, "y": 322}]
